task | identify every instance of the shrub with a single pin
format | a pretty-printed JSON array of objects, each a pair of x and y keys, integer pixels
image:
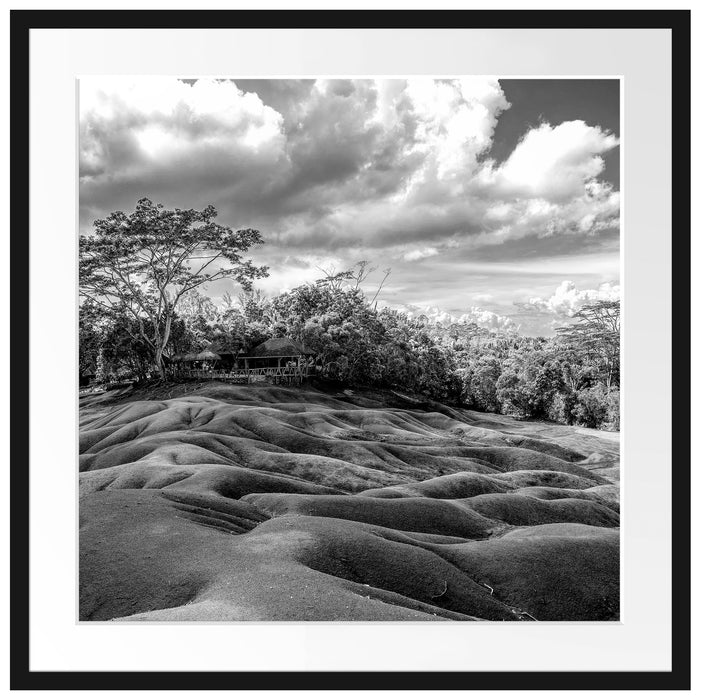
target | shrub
[
  {"x": 591, "y": 409},
  {"x": 613, "y": 414},
  {"x": 512, "y": 395},
  {"x": 562, "y": 406}
]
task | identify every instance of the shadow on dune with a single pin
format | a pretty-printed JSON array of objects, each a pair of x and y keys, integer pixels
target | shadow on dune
[{"x": 266, "y": 503}]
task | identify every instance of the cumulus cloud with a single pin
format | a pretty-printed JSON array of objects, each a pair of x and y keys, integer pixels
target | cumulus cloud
[
  {"x": 186, "y": 145},
  {"x": 132, "y": 124},
  {"x": 434, "y": 315},
  {"x": 568, "y": 299},
  {"x": 454, "y": 121},
  {"x": 398, "y": 171},
  {"x": 345, "y": 163},
  {"x": 487, "y": 319},
  {"x": 549, "y": 186},
  {"x": 552, "y": 164}
]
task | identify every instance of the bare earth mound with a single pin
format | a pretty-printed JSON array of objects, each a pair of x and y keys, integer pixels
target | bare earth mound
[{"x": 220, "y": 502}]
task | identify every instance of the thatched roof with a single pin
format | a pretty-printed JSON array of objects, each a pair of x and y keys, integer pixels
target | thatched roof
[
  {"x": 207, "y": 355},
  {"x": 221, "y": 349},
  {"x": 280, "y": 347}
]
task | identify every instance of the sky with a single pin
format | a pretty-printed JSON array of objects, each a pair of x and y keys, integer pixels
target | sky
[{"x": 490, "y": 200}]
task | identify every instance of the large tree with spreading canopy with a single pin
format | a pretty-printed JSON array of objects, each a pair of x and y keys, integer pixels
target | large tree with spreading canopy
[
  {"x": 142, "y": 264},
  {"x": 595, "y": 338}
]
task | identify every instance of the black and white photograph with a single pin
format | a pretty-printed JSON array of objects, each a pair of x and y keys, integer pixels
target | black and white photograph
[{"x": 349, "y": 349}]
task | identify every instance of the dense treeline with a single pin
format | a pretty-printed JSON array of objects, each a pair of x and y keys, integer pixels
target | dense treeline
[
  {"x": 139, "y": 279},
  {"x": 571, "y": 378},
  {"x": 354, "y": 343}
]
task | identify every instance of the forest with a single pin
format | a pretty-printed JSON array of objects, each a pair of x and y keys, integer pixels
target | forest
[{"x": 143, "y": 300}]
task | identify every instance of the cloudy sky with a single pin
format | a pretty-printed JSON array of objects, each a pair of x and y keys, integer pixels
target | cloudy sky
[{"x": 490, "y": 200}]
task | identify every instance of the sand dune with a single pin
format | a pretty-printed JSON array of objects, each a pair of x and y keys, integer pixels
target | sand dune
[{"x": 226, "y": 502}]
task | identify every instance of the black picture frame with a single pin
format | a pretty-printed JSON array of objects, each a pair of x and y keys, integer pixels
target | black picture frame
[{"x": 22, "y": 678}]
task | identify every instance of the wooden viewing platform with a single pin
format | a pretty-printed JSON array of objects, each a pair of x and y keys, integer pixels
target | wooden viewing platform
[
  {"x": 277, "y": 360},
  {"x": 276, "y": 375}
]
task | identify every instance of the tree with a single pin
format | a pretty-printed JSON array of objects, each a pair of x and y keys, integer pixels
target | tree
[
  {"x": 512, "y": 394},
  {"x": 143, "y": 263},
  {"x": 592, "y": 406},
  {"x": 254, "y": 305},
  {"x": 595, "y": 337},
  {"x": 352, "y": 278},
  {"x": 200, "y": 317},
  {"x": 91, "y": 336},
  {"x": 480, "y": 384},
  {"x": 123, "y": 354}
]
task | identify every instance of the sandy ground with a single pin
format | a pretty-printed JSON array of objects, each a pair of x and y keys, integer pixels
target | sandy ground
[{"x": 218, "y": 502}]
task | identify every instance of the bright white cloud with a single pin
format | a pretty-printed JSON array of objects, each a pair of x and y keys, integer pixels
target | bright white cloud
[
  {"x": 132, "y": 126},
  {"x": 552, "y": 163},
  {"x": 420, "y": 254},
  {"x": 568, "y": 299},
  {"x": 455, "y": 121},
  {"x": 295, "y": 270},
  {"x": 549, "y": 186},
  {"x": 434, "y": 314},
  {"x": 487, "y": 319},
  {"x": 595, "y": 210}
]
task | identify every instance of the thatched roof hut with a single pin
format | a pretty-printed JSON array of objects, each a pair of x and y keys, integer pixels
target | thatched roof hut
[{"x": 280, "y": 347}]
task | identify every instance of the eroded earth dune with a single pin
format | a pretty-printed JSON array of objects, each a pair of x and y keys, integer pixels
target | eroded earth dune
[{"x": 219, "y": 502}]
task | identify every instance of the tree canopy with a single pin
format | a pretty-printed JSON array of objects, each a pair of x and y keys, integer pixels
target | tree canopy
[{"x": 140, "y": 265}]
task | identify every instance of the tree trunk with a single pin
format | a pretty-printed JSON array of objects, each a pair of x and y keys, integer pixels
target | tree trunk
[
  {"x": 159, "y": 361},
  {"x": 160, "y": 344}
]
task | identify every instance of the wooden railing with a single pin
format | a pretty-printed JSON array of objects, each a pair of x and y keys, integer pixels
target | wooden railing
[{"x": 250, "y": 376}]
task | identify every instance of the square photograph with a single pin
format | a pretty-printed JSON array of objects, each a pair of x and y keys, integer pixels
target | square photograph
[{"x": 349, "y": 349}]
